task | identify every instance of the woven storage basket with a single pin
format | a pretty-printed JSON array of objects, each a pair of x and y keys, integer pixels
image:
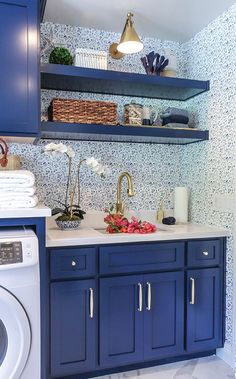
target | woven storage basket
[{"x": 83, "y": 111}]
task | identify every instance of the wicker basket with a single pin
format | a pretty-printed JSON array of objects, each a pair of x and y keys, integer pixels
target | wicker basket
[
  {"x": 133, "y": 114},
  {"x": 83, "y": 111}
]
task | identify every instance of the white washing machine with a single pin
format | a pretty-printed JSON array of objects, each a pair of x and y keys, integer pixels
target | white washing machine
[{"x": 19, "y": 305}]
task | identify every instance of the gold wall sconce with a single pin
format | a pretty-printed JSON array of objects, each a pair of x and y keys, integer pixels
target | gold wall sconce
[{"x": 130, "y": 42}]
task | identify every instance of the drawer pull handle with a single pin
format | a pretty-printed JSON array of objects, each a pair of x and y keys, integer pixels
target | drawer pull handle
[
  {"x": 205, "y": 253},
  {"x": 73, "y": 263},
  {"x": 140, "y": 297},
  {"x": 192, "y": 300},
  {"x": 149, "y": 301},
  {"x": 91, "y": 303}
]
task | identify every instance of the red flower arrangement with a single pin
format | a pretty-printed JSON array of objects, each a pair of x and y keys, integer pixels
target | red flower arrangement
[{"x": 120, "y": 224}]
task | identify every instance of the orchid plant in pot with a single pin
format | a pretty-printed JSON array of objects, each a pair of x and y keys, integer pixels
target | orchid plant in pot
[{"x": 69, "y": 211}]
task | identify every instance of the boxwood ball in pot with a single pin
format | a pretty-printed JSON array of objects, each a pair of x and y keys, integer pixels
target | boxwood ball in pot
[{"x": 61, "y": 55}]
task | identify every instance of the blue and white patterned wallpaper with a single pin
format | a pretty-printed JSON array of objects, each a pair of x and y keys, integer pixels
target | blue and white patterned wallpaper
[
  {"x": 154, "y": 168},
  {"x": 207, "y": 168}
]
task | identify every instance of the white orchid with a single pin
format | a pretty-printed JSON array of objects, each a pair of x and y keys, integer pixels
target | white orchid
[
  {"x": 92, "y": 162},
  {"x": 54, "y": 148},
  {"x": 97, "y": 167},
  {"x": 70, "y": 152},
  {"x": 73, "y": 184}
]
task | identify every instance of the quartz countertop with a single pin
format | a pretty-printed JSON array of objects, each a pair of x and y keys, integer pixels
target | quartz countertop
[
  {"x": 39, "y": 211},
  {"x": 91, "y": 236}
]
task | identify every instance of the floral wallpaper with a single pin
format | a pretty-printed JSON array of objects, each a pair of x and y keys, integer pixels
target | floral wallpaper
[{"x": 207, "y": 168}]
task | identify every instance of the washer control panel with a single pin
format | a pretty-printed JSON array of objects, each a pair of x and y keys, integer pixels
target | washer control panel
[
  {"x": 10, "y": 253},
  {"x": 19, "y": 248}
]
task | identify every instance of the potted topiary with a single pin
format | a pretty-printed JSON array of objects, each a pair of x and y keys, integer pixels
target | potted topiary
[{"x": 61, "y": 55}]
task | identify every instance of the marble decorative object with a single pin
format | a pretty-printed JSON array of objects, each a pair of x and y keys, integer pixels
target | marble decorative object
[{"x": 68, "y": 225}]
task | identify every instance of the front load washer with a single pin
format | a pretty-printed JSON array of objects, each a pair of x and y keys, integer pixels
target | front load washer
[{"x": 19, "y": 305}]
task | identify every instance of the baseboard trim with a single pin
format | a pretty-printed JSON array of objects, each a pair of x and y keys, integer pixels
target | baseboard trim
[{"x": 227, "y": 356}]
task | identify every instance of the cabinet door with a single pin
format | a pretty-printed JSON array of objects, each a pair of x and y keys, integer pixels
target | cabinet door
[
  {"x": 73, "y": 327},
  {"x": 164, "y": 315},
  {"x": 121, "y": 321},
  {"x": 204, "y": 310},
  {"x": 19, "y": 79}
]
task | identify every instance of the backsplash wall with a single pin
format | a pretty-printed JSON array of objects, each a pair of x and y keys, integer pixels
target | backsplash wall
[
  {"x": 208, "y": 169},
  {"x": 155, "y": 168}
]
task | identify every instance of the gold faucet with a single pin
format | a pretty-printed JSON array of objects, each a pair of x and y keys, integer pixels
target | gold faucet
[{"x": 119, "y": 203}]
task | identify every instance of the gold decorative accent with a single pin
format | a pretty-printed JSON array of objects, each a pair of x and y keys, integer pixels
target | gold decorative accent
[
  {"x": 130, "y": 42},
  {"x": 114, "y": 53},
  {"x": 119, "y": 203}
]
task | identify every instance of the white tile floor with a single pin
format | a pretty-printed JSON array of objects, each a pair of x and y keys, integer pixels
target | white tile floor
[{"x": 203, "y": 368}]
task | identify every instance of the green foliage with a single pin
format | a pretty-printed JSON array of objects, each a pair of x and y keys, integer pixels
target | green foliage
[
  {"x": 68, "y": 213},
  {"x": 61, "y": 55}
]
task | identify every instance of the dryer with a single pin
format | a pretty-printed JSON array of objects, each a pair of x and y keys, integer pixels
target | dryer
[{"x": 19, "y": 305}]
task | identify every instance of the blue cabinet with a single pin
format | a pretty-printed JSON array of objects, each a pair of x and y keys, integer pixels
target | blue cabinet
[
  {"x": 73, "y": 327},
  {"x": 141, "y": 318},
  {"x": 155, "y": 302},
  {"x": 204, "y": 310},
  {"x": 163, "y": 315},
  {"x": 121, "y": 321},
  {"x": 19, "y": 79}
]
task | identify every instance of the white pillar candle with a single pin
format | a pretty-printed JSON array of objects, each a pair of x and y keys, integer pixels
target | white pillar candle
[{"x": 181, "y": 195}]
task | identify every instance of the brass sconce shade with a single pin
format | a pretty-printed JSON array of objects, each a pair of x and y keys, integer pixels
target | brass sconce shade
[{"x": 130, "y": 42}]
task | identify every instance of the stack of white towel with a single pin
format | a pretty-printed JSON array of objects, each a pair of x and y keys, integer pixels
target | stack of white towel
[{"x": 17, "y": 189}]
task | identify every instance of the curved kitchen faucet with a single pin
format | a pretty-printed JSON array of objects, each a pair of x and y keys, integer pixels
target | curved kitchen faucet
[{"x": 119, "y": 203}]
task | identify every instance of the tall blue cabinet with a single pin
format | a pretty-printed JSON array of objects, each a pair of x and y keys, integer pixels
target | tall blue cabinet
[{"x": 19, "y": 79}]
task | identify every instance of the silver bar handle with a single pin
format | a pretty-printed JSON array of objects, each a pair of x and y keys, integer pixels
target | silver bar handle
[
  {"x": 192, "y": 300},
  {"x": 140, "y": 297},
  {"x": 91, "y": 303},
  {"x": 149, "y": 301}
]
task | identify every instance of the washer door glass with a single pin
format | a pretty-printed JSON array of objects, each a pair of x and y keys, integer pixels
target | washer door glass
[
  {"x": 3, "y": 342},
  {"x": 15, "y": 336}
]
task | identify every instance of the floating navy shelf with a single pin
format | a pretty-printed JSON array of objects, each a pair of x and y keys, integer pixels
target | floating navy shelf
[
  {"x": 119, "y": 133},
  {"x": 70, "y": 78}
]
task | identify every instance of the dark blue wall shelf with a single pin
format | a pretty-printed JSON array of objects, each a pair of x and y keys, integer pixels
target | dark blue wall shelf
[
  {"x": 70, "y": 78},
  {"x": 119, "y": 133}
]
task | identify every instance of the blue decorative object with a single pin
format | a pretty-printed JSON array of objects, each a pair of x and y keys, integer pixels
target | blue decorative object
[
  {"x": 169, "y": 221},
  {"x": 154, "y": 63}
]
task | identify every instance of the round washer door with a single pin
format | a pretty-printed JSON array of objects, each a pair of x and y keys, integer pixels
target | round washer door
[{"x": 15, "y": 336}]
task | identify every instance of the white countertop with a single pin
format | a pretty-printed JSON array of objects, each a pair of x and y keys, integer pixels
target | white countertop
[
  {"x": 39, "y": 211},
  {"x": 90, "y": 236}
]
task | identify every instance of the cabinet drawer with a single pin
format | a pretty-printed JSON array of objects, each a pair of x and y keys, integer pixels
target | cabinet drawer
[
  {"x": 203, "y": 253},
  {"x": 73, "y": 263},
  {"x": 141, "y": 257}
]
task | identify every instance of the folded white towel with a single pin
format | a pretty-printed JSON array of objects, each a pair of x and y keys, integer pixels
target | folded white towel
[
  {"x": 19, "y": 191},
  {"x": 18, "y": 178},
  {"x": 18, "y": 201}
]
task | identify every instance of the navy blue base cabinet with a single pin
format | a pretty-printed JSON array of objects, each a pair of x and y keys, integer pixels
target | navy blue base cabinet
[
  {"x": 120, "y": 307},
  {"x": 19, "y": 79},
  {"x": 203, "y": 317},
  {"x": 73, "y": 325}
]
